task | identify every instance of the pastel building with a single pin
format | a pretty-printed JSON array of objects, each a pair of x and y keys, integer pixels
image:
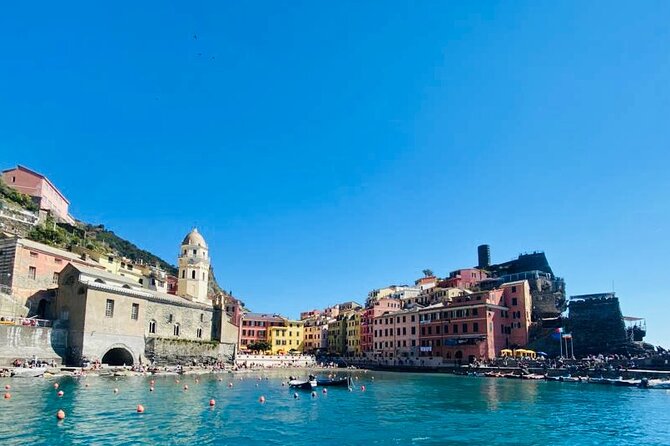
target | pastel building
[
  {"x": 288, "y": 338},
  {"x": 374, "y": 309},
  {"x": 396, "y": 336},
  {"x": 464, "y": 278},
  {"x": 43, "y": 191},
  {"x": 29, "y": 268},
  {"x": 254, "y": 327},
  {"x": 353, "y": 328},
  {"x": 476, "y": 325},
  {"x": 315, "y": 334}
]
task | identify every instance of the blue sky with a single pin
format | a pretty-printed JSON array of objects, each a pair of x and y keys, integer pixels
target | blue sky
[{"x": 325, "y": 150}]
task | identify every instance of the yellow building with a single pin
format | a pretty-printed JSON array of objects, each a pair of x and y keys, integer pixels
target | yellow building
[
  {"x": 353, "y": 324},
  {"x": 288, "y": 338}
]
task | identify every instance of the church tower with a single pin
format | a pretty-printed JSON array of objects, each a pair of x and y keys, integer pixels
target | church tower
[{"x": 194, "y": 268}]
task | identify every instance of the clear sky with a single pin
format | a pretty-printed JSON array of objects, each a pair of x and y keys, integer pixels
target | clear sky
[{"x": 326, "y": 150}]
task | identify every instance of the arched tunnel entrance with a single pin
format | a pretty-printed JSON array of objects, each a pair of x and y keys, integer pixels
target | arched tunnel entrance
[{"x": 118, "y": 356}]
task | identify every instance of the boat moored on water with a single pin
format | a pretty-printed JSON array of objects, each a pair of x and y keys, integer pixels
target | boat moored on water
[
  {"x": 308, "y": 384},
  {"x": 334, "y": 382},
  {"x": 646, "y": 383},
  {"x": 28, "y": 372}
]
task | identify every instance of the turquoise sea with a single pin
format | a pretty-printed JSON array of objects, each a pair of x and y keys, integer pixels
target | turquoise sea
[{"x": 395, "y": 408}]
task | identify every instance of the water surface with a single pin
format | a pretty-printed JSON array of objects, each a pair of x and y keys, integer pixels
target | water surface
[{"x": 395, "y": 408}]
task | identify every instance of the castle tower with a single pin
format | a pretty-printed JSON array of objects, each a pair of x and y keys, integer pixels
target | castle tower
[{"x": 194, "y": 268}]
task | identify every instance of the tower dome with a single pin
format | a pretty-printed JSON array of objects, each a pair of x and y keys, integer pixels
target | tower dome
[{"x": 194, "y": 238}]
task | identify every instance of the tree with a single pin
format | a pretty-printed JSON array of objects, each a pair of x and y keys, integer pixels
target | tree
[
  {"x": 427, "y": 272},
  {"x": 260, "y": 346}
]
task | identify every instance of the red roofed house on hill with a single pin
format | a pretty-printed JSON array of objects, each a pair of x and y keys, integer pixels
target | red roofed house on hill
[{"x": 40, "y": 188}]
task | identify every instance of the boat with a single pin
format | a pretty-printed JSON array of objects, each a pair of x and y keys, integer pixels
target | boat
[
  {"x": 646, "y": 383},
  {"x": 334, "y": 382},
  {"x": 28, "y": 372},
  {"x": 626, "y": 382},
  {"x": 307, "y": 384}
]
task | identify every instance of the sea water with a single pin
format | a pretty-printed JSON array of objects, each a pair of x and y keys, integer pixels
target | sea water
[{"x": 394, "y": 408}]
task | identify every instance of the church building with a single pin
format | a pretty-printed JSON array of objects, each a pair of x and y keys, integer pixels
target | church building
[{"x": 117, "y": 321}]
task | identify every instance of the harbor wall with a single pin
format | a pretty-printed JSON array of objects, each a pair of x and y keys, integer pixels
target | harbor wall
[
  {"x": 26, "y": 342},
  {"x": 275, "y": 360},
  {"x": 177, "y": 351}
]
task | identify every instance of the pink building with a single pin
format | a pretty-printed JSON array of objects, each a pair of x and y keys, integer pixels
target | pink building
[
  {"x": 396, "y": 337},
  {"x": 40, "y": 188},
  {"x": 464, "y": 278},
  {"x": 254, "y": 328},
  {"x": 309, "y": 314},
  {"x": 376, "y": 308},
  {"x": 477, "y": 325}
]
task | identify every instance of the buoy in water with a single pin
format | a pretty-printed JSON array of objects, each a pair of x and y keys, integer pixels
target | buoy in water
[
  {"x": 116, "y": 390},
  {"x": 362, "y": 388},
  {"x": 7, "y": 387},
  {"x": 325, "y": 391},
  {"x": 140, "y": 408},
  {"x": 152, "y": 382},
  {"x": 60, "y": 414},
  {"x": 8, "y": 395},
  {"x": 212, "y": 402},
  {"x": 261, "y": 400},
  {"x": 60, "y": 393},
  {"x": 151, "y": 389},
  {"x": 56, "y": 385},
  {"x": 313, "y": 394},
  {"x": 230, "y": 384},
  {"x": 185, "y": 386},
  {"x": 295, "y": 395}
]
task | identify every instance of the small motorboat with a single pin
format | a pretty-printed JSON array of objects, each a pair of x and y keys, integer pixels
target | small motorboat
[
  {"x": 333, "y": 382},
  {"x": 308, "y": 384},
  {"x": 28, "y": 372},
  {"x": 646, "y": 383}
]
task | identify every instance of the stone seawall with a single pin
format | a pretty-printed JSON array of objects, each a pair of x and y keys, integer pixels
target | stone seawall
[
  {"x": 177, "y": 351},
  {"x": 23, "y": 342}
]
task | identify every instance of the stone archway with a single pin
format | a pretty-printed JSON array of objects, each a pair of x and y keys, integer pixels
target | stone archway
[{"x": 118, "y": 356}]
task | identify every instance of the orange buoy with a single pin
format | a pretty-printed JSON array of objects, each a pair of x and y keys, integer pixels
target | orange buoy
[
  {"x": 8, "y": 395},
  {"x": 212, "y": 402},
  {"x": 60, "y": 414},
  {"x": 152, "y": 382},
  {"x": 151, "y": 389},
  {"x": 140, "y": 408},
  {"x": 60, "y": 393},
  {"x": 261, "y": 400},
  {"x": 56, "y": 385}
]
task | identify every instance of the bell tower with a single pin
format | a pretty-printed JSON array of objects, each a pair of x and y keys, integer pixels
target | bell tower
[{"x": 194, "y": 268}]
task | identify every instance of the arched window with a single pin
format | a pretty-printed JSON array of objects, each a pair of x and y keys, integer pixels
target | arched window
[
  {"x": 193, "y": 274},
  {"x": 152, "y": 326},
  {"x": 176, "y": 330},
  {"x": 202, "y": 317},
  {"x": 99, "y": 281},
  {"x": 198, "y": 333}
]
